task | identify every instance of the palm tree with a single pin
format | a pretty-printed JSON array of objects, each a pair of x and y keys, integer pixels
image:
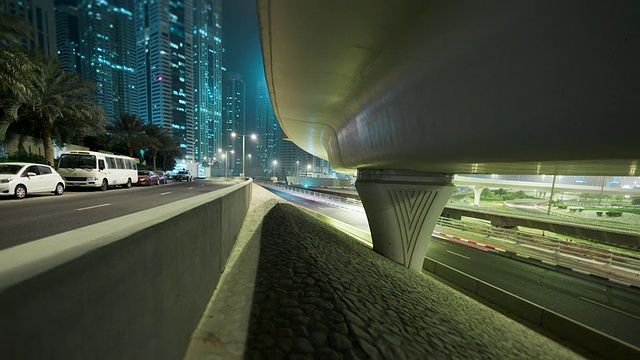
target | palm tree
[
  {"x": 14, "y": 63},
  {"x": 56, "y": 106},
  {"x": 129, "y": 131},
  {"x": 161, "y": 141}
]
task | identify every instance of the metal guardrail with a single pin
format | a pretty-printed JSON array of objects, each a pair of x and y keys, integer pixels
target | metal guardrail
[
  {"x": 617, "y": 265},
  {"x": 314, "y": 194},
  {"x": 598, "y": 261},
  {"x": 565, "y": 219}
]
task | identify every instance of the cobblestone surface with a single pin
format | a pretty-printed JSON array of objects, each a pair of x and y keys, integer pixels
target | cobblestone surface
[{"x": 319, "y": 294}]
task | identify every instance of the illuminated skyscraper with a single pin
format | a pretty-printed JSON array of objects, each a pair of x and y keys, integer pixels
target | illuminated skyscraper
[
  {"x": 269, "y": 130},
  {"x": 207, "y": 75},
  {"x": 233, "y": 118},
  {"x": 107, "y": 53},
  {"x": 164, "y": 34},
  {"x": 180, "y": 82}
]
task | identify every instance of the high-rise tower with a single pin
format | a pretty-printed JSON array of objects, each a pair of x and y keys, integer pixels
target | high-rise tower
[
  {"x": 40, "y": 15},
  {"x": 107, "y": 53},
  {"x": 268, "y": 129},
  {"x": 67, "y": 35},
  {"x": 179, "y": 50},
  {"x": 207, "y": 75},
  {"x": 233, "y": 118}
]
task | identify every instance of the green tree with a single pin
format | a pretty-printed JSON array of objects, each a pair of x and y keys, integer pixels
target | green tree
[
  {"x": 56, "y": 106},
  {"x": 500, "y": 192},
  {"x": 486, "y": 193},
  {"x": 14, "y": 62},
  {"x": 129, "y": 131},
  {"x": 160, "y": 140}
]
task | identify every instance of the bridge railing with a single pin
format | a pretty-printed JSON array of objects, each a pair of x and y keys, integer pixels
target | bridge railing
[{"x": 599, "y": 261}]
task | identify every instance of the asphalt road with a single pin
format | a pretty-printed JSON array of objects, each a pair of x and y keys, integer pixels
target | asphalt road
[
  {"x": 39, "y": 216},
  {"x": 600, "y": 304}
]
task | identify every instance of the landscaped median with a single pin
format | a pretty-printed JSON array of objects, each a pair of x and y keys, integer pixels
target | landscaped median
[{"x": 127, "y": 288}]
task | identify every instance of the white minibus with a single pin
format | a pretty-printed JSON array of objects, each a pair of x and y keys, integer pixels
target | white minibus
[{"x": 97, "y": 169}]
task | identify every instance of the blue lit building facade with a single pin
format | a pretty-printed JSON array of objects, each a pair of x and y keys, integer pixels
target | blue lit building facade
[
  {"x": 107, "y": 53},
  {"x": 207, "y": 76},
  {"x": 269, "y": 130},
  {"x": 164, "y": 40},
  {"x": 233, "y": 119},
  {"x": 179, "y": 55}
]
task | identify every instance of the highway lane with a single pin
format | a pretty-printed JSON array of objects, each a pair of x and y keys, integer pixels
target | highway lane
[
  {"x": 600, "y": 304},
  {"x": 39, "y": 216}
]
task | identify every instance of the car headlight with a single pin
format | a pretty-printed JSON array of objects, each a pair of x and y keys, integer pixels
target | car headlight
[
  {"x": 92, "y": 179},
  {"x": 4, "y": 181}
]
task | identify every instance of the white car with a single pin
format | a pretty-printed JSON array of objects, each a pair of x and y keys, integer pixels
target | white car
[{"x": 19, "y": 179}]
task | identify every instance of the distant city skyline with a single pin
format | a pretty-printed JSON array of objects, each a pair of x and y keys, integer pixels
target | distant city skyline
[{"x": 167, "y": 65}]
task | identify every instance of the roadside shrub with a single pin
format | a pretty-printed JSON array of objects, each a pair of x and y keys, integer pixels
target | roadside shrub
[
  {"x": 614, "y": 213},
  {"x": 599, "y": 213},
  {"x": 562, "y": 206}
]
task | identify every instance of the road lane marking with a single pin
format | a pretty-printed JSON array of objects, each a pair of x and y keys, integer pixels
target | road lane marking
[
  {"x": 190, "y": 188},
  {"x": 609, "y": 307},
  {"x": 93, "y": 207},
  {"x": 468, "y": 258},
  {"x": 165, "y": 193}
]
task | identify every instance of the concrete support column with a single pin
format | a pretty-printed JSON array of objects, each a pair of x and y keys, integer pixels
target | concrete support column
[
  {"x": 402, "y": 207},
  {"x": 477, "y": 191}
]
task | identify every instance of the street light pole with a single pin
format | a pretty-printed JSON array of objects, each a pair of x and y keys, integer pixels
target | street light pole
[
  {"x": 226, "y": 159},
  {"x": 253, "y": 137},
  {"x": 274, "y": 169},
  {"x": 249, "y": 156}
]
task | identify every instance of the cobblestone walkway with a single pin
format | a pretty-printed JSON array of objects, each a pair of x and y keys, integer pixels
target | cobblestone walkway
[{"x": 319, "y": 294}]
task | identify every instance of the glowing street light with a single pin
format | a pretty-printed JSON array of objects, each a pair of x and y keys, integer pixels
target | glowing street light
[
  {"x": 275, "y": 162},
  {"x": 253, "y": 137},
  {"x": 225, "y": 156}
]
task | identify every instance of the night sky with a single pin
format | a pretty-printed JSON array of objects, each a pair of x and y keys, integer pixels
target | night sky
[{"x": 243, "y": 54}]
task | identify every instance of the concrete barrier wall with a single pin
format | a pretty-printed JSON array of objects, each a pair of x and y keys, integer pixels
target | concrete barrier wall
[
  {"x": 590, "y": 339},
  {"x": 128, "y": 288}
]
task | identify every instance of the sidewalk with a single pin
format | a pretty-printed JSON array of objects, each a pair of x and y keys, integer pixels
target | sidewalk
[{"x": 296, "y": 288}]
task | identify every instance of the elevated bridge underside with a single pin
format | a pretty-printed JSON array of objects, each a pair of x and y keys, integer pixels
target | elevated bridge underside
[{"x": 409, "y": 93}]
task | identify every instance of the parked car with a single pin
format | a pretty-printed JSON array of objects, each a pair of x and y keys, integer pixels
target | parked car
[
  {"x": 162, "y": 176},
  {"x": 184, "y": 175},
  {"x": 148, "y": 178},
  {"x": 19, "y": 179}
]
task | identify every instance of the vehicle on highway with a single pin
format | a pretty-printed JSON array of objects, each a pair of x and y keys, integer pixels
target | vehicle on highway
[
  {"x": 97, "y": 169},
  {"x": 19, "y": 179},
  {"x": 162, "y": 176},
  {"x": 148, "y": 178},
  {"x": 184, "y": 175}
]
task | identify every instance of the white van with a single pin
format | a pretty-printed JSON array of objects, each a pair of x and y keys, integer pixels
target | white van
[{"x": 96, "y": 169}]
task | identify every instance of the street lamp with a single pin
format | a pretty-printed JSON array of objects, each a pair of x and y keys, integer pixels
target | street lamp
[
  {"x": 253, "y": 137},
  {"x": 225, "y": 156},
  {"x": 249, "y": 156},
  {"x": 306, "y": 173},
  {"x": 275, "y": 162},
  {"x": 297, "y": 166}
]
